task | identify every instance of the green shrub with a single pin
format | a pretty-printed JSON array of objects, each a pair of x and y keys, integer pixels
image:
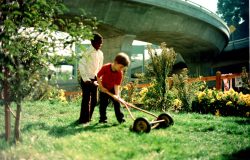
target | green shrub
[
  {"x": 184, "y": 90},
  {"x": 157, "y": 73}
]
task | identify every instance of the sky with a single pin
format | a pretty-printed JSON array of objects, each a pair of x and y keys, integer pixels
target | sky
[{"x": 209, "y": 4}]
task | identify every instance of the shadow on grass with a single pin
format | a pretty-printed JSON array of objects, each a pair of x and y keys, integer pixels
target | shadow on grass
[
  {"x": 36, "y": 126},
  {"x": 74, "y": 128},
  {"x": 243, "y": 122},
  {"x": 243, "y": 154},
  {"x": 70, "y": 129}
]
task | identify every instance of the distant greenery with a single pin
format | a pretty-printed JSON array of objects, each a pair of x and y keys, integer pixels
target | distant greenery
[
  {"x": 49, "y": 132},
  {"x": 236, "y": 14},
  {"x": 233, "y": 11}
]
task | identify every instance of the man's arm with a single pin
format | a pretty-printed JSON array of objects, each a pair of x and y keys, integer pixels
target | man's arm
[
  {"x": 101, "y": 60},
  {"x": 82, "y": 70}
]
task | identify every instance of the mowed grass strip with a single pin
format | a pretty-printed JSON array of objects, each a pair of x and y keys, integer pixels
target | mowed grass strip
[{"x": 49, "y": 131}]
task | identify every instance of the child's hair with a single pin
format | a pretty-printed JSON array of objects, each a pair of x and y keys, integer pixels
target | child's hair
[{"x": 122, "y": 58}]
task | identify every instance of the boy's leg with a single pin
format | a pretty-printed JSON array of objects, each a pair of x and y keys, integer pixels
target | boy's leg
[
  {"x": 103, "y": 107},
  {"x": 118, "y": 113}
]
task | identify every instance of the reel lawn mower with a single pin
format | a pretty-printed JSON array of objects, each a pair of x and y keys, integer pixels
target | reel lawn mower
[{"x": 141, "y": 124}]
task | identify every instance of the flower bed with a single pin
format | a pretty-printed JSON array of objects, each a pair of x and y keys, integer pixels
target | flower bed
[{"x": 228, "y": 103}]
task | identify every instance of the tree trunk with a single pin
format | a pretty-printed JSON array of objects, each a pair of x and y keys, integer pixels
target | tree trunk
[
  {"x": 7, "y": 104},
  {"x": 17, "y": 122},
  {"x": 7, "y": 122}
]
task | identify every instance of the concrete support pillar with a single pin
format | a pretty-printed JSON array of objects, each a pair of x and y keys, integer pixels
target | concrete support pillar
[{"x": 114, "y": 45}]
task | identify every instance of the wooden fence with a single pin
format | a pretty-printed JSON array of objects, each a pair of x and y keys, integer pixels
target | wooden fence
[{"x": 218, "y": 78}]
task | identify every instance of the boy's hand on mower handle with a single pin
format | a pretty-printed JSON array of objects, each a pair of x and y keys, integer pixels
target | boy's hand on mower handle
[
  {"x": 116, "y": 98},
  {"x": 119, "y": 99},
  {"x": 122, "y": 101}
]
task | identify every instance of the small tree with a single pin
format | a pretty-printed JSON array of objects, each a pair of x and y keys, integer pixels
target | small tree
[
  {"x": 27, "y": 47},
  {"x": 185, "y": 90},
  {"x": 158, "y": 70}
]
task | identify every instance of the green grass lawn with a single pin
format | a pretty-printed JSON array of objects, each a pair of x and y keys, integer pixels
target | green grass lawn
[{"x": 49, "y": 132}]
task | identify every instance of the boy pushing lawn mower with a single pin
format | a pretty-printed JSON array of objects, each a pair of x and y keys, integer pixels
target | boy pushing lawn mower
[{"x": 109, "y": 79}]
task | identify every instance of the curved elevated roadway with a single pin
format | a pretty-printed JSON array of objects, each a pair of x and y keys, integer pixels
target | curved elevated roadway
[{"x": 194, "y": 32}]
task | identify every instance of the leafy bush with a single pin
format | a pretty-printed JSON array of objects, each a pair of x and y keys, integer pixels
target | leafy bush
[
  {"x": 184, "y": 90},
  {"x": 245, "y": 81},
  {"x": 157, "y": 74}
]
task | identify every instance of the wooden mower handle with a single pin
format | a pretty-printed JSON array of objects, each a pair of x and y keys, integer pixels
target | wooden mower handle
[
  {"x": 122, "y": 102},
  {"x": 127, "y": 105}
]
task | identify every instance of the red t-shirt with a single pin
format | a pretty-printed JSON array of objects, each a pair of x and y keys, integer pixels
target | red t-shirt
[{"x": 109, "y": 78}]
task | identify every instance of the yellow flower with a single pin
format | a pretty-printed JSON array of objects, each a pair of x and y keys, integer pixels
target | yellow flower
[
  {"x": 143, "y": 91},
  {"x": 219, "y": 95},
  {"x": 245, "y": 99},
  {"x": 210, "y": 93},
  {"x": 217, "y": 112},
  {"x": 177, "y": 103},
  {"x": 229, "y": 103},
  {"x": 225, "y": 96},
  {"x": 61, "y": 95},
  {"x": 151, "y": 84},
  {"x": 201, "y": 95},
  {"x": 248, "y": 114},
  {"x": 231, "y": 91},
  {"x": 212, "y": 100}
]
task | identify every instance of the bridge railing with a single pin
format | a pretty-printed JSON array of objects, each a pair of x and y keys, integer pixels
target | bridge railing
[{"x": 193, "y": 3}]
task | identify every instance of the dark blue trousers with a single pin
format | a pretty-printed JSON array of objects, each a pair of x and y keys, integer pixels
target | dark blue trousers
[{"x": 104, "y": 102}]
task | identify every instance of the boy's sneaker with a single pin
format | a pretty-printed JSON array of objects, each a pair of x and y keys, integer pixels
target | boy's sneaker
[
  {"x": 122, "y": 121},
  {"x": 85, "y": 124}
]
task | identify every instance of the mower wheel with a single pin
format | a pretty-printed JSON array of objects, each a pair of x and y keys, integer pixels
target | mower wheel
[
  {"x": 141, "y": 125},
  {"x": 168, "y": 120}
]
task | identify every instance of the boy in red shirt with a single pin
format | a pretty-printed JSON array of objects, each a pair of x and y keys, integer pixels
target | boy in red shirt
[{"x": 109, "y": 79}]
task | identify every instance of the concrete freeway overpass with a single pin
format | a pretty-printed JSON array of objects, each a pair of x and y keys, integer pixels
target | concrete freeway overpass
[
  {"x": 197, "y": 34},
  {"x": 234, "y": 57}
]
